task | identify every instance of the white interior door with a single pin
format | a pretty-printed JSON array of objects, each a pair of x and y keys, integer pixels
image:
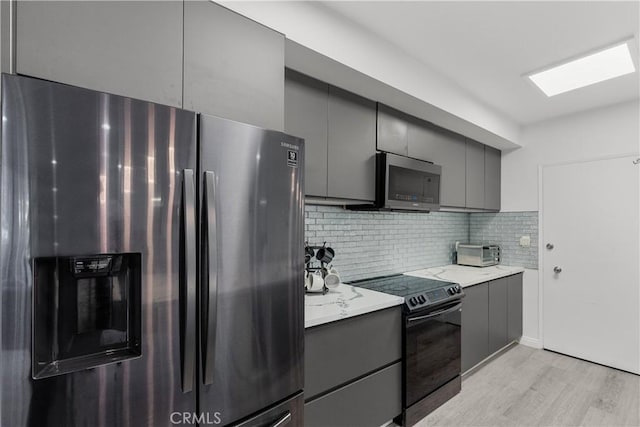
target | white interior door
[{"x": 590, "y": 214}]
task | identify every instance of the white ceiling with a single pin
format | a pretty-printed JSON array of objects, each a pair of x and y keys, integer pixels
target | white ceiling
[{"x": 487, "y": 47}]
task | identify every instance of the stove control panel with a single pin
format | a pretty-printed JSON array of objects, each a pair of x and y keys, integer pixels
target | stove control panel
[
  {"x": 456, "y": 289},
  {"x": 433, "y": 296}
]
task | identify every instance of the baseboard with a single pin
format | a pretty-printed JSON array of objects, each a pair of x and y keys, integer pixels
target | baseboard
[
  {"x": 530, "y": 342},
  {"x": 488, "y": 359}
]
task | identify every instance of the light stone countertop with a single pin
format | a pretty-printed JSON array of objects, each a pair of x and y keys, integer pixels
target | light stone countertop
[
  {"x": 348, "y": 301},
  {"x": 466, "y": 275},
  {"x": 343, "y": 302}
]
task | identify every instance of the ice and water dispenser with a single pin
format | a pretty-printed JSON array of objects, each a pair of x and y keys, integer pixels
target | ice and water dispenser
[{"x": 87, "y": 312}]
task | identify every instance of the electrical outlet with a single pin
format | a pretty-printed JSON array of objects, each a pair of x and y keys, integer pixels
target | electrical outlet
[{"x": 525, "y": 241}]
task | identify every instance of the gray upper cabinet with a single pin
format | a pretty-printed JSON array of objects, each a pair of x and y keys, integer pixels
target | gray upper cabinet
[
  {"x": 233, "y": 66},
  {"x": 437, "y": 145},
  {"x": 339, "y": 129},
  {"x": 492, "y": 163},
  {"x": 306, "y": 103},
  {"x": 125, "y": 48},
  {"x": 392, "y": 131},
  {"x": 351, "y": 146},
  {"x": 470, "y": 170},
  {"x": 475, "y": 175}
]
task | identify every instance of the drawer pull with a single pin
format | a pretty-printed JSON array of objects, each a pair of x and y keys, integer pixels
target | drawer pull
[{"x": 283, "y": 421}]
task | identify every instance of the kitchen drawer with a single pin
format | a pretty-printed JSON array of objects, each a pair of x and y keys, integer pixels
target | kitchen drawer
[
  {"x": 339, "y": 352},
  {"x": 370, "y": 401},
  {"x": 291, "y": 410}
]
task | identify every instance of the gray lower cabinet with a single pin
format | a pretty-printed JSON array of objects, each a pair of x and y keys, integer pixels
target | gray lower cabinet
[
  {"x": 498, "y": 305},
  {"x": 475, "y": 325},
  {"x": 129, "y": 48},
  {"x": 351, "y": 146},
  {"x": 444, "y": 148},
  {"x": 492, "y": 166},
  {"x": 339, "y": 129},
  {"x": 306, "y": 102},
  {"x": 351, "y": 363},
  {"x": 491, "y": 318},
  {"x": 514, "y": 307},
  {"x": 475, "y": 175},
  {"x": 370, "y": 401},
  {"x": 233, "y": 66}
]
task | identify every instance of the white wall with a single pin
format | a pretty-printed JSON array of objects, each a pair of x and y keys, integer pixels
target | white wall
[
  {"x": 324, "y": 31},
  {"x": 608, "y": 131},
  {"x": 603, "y": 132}
]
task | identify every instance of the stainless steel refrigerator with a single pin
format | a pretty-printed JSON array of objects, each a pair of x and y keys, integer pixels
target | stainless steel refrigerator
[{"x": 150, "y": 264}]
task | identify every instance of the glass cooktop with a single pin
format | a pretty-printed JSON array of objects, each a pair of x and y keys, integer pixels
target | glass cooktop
[
  {"x": 401, "y": 285},
  {"x": 418, "y": 293}
]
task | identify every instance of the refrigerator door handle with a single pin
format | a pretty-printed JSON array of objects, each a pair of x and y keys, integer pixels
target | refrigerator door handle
[
  {"x": 188, "y": 281},
  {"x": 210, "y": 279}
]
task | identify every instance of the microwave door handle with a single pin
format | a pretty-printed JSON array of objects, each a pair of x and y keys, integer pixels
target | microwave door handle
[
  {"x": 188, "y": 281},
  {"x": 210, "y": 277}
]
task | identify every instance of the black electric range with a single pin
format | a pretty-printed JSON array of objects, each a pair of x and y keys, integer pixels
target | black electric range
[
  {"x": 418, "y": 293},
  {"x": 431, "y": 341}
]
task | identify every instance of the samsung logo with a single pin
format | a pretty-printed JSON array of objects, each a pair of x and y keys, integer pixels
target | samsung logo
[{"x": 287, "y": 145}]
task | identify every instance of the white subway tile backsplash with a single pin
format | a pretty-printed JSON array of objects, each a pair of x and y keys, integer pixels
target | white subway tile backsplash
[
  {"x": 371, "y": 244},
  {"x": 505, "y": 229}
]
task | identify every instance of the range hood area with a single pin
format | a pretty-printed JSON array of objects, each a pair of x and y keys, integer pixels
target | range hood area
[{"x": 404, "y": 184}]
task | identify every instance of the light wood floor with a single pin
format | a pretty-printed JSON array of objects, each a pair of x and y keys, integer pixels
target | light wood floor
[{"x": 530, "y": 387}]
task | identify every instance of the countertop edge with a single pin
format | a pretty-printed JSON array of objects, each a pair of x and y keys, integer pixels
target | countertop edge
[
  {"x": 485, "y": 274},
  {"x": 345, "y": 312},
  {"x": 329, "y": 319},
  {"x": 393, "y": 301},
  {"x": 516, "y": 270}
]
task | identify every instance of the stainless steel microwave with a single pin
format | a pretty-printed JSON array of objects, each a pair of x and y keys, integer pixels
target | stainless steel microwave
[{"x": 407, "y": 184}]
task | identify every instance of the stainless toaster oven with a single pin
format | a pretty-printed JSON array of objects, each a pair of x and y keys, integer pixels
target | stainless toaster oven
[{"x": 478, "y": 255}]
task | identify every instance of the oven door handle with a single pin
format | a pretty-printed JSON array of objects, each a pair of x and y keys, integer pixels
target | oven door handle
[{"x": 435, "y": 313}]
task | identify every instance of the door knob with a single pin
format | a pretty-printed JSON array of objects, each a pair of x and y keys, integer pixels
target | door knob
[
  {"x": 557, "y": 270},
  {"x": 549, "y": 246}
]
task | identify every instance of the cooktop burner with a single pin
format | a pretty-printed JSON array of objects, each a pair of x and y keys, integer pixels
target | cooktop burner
[{"x": 417, "y": 292}]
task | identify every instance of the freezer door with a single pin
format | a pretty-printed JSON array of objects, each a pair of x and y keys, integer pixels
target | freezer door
[
  {"x": 92, "y": 214},
  {"x": 252, "y": 220}
]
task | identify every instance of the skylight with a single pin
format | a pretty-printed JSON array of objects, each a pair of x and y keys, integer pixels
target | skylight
[{"x": 597, "y": 67}]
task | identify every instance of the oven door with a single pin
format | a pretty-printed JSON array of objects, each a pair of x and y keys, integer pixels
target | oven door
[{"x": 432, "y": 346}]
